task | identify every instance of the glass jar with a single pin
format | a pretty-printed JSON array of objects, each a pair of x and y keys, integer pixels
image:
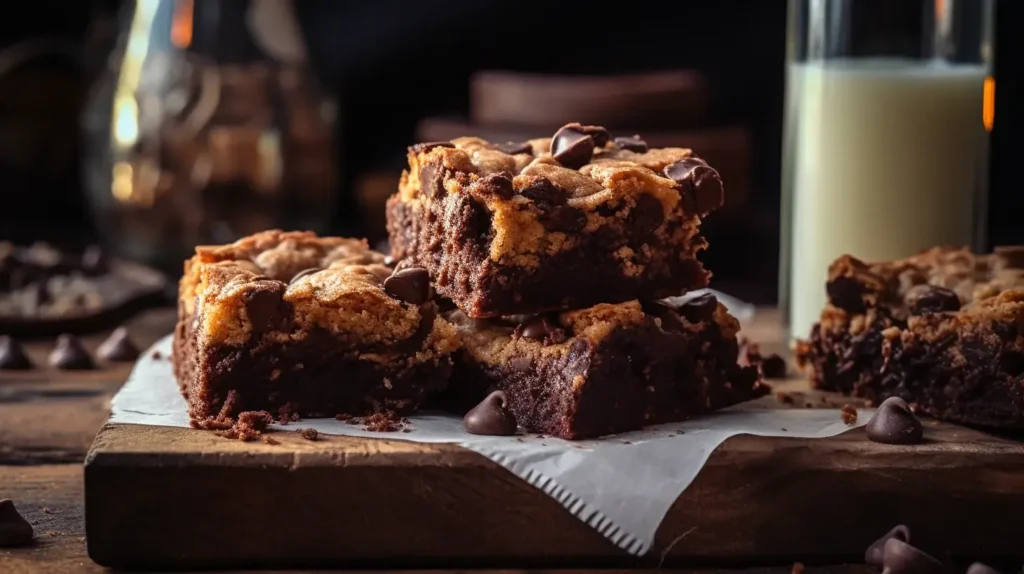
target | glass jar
[
  {"x": 885, "y": 152},
  {"x": 208, "y": 125}
]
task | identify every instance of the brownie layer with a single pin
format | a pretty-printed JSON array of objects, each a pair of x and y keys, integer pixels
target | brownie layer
[
  {"x": 605, "y": 370},
  {"x": 943, "y": 330}
]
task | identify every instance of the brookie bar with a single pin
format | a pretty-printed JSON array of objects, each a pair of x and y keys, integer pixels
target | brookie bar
[{"x": 553, "y": 224}]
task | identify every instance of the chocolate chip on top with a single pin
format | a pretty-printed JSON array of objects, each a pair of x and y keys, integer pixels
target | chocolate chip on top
[
  {"x": 411, "y": 285},
  {"x": 514, "y": 148},
  {"x": 427, "y": 146},
  {"x": 932, "y": 299},
  {"x": 633, "y": 144},
  {"x": 573, "y": 145},
  {"x": 544, "y": 328},
  {"x": 699, "y": 183},
  {"x": 496, "y": 184}
]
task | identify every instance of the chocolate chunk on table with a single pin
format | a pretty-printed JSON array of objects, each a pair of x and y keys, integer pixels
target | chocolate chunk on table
[{"x": 491, "y": 417}]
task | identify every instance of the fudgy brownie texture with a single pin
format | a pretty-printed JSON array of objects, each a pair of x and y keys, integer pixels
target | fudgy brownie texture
[
  {"x": 606, "y": 369},
  {"x": 300, "y": 325},
  {"x": 943, "y": 330},
  {"x": 553, "y": 224}
]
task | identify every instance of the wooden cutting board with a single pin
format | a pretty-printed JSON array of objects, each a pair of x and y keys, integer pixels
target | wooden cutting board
[{"x": 181, "y": 498}]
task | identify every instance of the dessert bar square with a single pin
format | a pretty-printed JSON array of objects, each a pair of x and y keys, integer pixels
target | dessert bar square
[
  {"x": 301, "y": 325},
  {"x": 943, "y": 330},
  {"x": 606, "y": 369},
  {"x": 553, "y": 224}
]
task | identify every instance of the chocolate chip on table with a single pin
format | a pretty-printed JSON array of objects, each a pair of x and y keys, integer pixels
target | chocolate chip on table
[
  {"x": 513, "y": 148},
  {"x": 69, "y": 354},
  {"x": 491, "y": 417},
  {"x": 12, "y": 355},
  {"x": 497, "y": 184},
  {"x": 118, "y": 347},
  {"x": 309, "y": 271},
  {"x": 14, "y": 529},
  {"x": 979, "y": 568},
  {"x": 873, "y": 555},
  {"x": 699, "y": 309},
  {"x": 934, "y": 299},
  {"x": 699, "y": 183},
  {"x": 542, "y": 328},
  {"x": 899, "y": 557},
  {"x": 427, "y": 146},
  {"x": 411, "y": 285},
  {"x": 633, "y": 144},
  {"x": 773, "y": 367},
  {"x": 894, "y": 423},
  {"x": 572, "y": 146}
]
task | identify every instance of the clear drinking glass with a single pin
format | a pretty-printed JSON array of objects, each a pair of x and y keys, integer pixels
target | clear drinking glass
[{"x": 885, "y": 153}]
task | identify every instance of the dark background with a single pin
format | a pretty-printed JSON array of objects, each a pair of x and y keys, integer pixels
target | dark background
[{"x": 392, "y": 63}]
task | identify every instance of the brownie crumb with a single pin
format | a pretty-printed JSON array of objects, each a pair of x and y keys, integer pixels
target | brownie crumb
[
  {"x": 288, "y": 413},
  {"x": 156, "y": 355},
  {"x": 270, "y": 440},
  {"x": 248, "y": 427},
  {"x": 310, "y": 434},
  {"x": 406, "y": 430},
  {"x": 848, "y": 414},
  {"x": 773, "y": 367},
  {"x": 343, "y": 417},
  {"x": 223, "y": 420},
  {"x": 785, "y": 398},
  {"x": 47, "y": 510},
  {"x": 384, "y": 421},
  {"x": 798, "y": 568},
  {"x": 52, "y": 533}
]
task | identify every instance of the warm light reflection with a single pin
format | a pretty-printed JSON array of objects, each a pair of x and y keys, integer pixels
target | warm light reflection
[
  {"x": 121, "y": 183},
  {"x": 181, "y": 26},
  {"x": 988, "y": 108},
  {"x": 126, "y": 121}
]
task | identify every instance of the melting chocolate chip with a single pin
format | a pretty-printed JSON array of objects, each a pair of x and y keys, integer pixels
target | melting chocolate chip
[
  {"x": 306, "y": 272},
  {"x": 427, "y": 146},
  {"x": 542, "y": 328},
  {"x": 268, "y": 311},
  {"x": 491, "y": 417},
  {"x": 846, "y": 293},
  {"x": 14, "y": 529},
  {"x": 699, "y": 183},
  {"x": 513, "y": 148},
  {"x": 544, "y": 193},
  {"x": 979, "y": 568},
  {"x": 646, "y": 215},
  {"x": 773, "y": 367},
  {"x": 894, "y": 423},
  {"x": 12, "y": 355},
  {"x": 699, "y": 309},
  {"x": 432, "y": 181},
  {"x": 497, "y": 184},
  {"x": 69, "y": 354},
  {"x": 118, "y": 347},
  {"x": 633, "y": 144},
  {"x": 898, "y": 557},
  {"x": 873, "y": 555},
  {"x": 572, "y": 147},
  {"x": 411, "y": 285},
  {"x": 566, "y": 219},
  {"x": 934, "y": 299}
]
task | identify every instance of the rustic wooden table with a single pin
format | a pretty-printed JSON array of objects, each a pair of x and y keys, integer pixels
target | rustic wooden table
[{"x": 48, "y": 420}]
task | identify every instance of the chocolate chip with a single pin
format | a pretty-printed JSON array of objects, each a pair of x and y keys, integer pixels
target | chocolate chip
[
  {"x": 873, "y": 555},
  {"x": 14, "y": 529},
  {"x": 427, "y": 146},
  {"x": 894, "y": 423},
  {"x": 898, "y": 557},
  {"x": 646, "y": 215},
  {"x": 633, "y": 144},
  {"x": 491, "y": 417},
  {"x": 542, "y": 328},
  {"x": 267, "y": 310},
  {"x": 544, "y": 193},
  {"x": 411, "y": 285},
  {"x": 69, "y": 354},
  {"x": 600, "y": 135},
  {"x": 572, "y": 147},
  {"x": 699, "y": 309},
  {"x": 699, "y": 183},
  {"x": 979, "y": 568},
  {"x": 934, "y": 299},
  {"x": 304, "y": 273},
  {"x": 94, "y": 260},
  {"x": 846, "y": 294},
  {"x": 497, "y": 184},
  {"x": 118, "y": 347},
  {"x": 513, "y": 148},
  {"x": 432, "y": 181},
  {"x": 12, "y": 355},
  {"x": 565, "y": 218},
  {"x": 773, "y": 367}
]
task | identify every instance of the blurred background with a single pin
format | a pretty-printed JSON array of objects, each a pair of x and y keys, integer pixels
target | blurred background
[{"x": 100, "y": 140}]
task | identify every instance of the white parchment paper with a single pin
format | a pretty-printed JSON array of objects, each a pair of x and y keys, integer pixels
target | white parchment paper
[{"x": 620, "y": 485}]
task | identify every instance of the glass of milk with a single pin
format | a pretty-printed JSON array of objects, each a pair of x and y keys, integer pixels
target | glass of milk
[{"x": 885, "y": 153}]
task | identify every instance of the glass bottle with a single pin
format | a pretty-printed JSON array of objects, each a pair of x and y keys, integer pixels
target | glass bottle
[
  {"x": 885, "y": 152},
  {"x": 207, "y": 126}
]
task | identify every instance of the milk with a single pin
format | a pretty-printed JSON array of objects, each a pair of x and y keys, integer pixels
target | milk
[{"x": 884, "y": 158}]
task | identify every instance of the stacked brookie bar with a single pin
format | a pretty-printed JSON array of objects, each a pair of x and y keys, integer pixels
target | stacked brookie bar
[
  {"x": 558, "y": 254},
  {"x": 943, "y": 330}
]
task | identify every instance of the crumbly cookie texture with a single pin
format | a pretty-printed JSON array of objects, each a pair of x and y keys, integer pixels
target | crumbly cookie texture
[
  {"x": 944, "y": 330},
  {"x": 491, "y": 220},
  {"x": 310, "y": 324},
  {"x": 606, "y": 369}
]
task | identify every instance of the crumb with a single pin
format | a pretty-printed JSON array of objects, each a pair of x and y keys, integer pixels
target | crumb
[
  {"x": 270, "y": 440},
  {"x": 343, "y": 417},
  {"x": 385, "y": 421},
  {"x": 798, "y": 568},
  {"x": 520, "y": 439},
  {"x": 785, "y": 430},
  {"x": 248, "y": 427},
  {"x": 679, "y": 432},
  {"x": 81, "y": 539},
  {"x": 47, "y": 510},
  {"x": 51, "y": 533},
  {"x": 626, "y": 442},
  {"x": 288, "y": 413},
  {"x": 156, "y": 356},
  {"x": 809, "y": 405},
  {"x": 309, "y": 434},
  {"x": 848, "y": 414},
  {"x": 784, "y": 398},
  {"x": 406, "y": 430}
]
